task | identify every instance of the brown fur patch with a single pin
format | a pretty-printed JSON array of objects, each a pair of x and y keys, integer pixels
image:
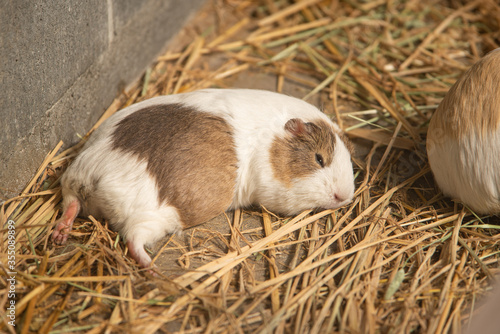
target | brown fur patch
[
  {"x": 189, "y": 153},
  {"x": 294, "y": 156},
  {"x": 473, "y": 102}
]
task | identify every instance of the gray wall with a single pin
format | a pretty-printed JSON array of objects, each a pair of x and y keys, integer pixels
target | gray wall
[{"x": 61, "y": 65}]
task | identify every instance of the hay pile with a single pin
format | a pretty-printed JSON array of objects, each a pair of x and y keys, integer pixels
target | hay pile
[{"x": 400, "y": 258}]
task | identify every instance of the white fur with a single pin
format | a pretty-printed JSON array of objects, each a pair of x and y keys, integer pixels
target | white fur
[
  {"x": 128, "y": 195},
  {"x": 468, "y": 169}
]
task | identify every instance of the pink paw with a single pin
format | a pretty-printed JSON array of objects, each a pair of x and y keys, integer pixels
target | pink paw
[
  {"x": 60, "y": 234},
  {"x": 65, "y": 223},
  {"x": 138, "y": 253}
]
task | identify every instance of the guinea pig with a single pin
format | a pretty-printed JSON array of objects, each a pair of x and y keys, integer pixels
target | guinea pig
[
  {"x": 173, "y": 162},
  {"x": 463, "y": 139}
]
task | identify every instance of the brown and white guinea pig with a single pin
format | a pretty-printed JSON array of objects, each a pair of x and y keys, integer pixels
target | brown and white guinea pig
[
  {"x": 172, "y": 162},
  {"x": 463, "y": 139}
]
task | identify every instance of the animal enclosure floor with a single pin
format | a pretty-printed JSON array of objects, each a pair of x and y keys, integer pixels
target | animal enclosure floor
[{"x": 400, "y": 258}]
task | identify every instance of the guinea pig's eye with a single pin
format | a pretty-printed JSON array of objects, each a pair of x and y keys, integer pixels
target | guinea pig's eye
[{"x": 319, "y": 160}]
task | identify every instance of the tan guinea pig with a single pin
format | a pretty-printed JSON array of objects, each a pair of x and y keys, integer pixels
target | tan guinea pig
[
  {"x": 463, "y": 140},
  {"x": 175, "y": 161}
]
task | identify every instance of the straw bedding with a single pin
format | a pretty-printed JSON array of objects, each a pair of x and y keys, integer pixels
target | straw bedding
[{"x": 400, "y": 258}]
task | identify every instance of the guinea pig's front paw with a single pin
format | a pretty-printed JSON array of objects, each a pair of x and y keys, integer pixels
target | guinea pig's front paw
[{"x": 152, "y": 270}]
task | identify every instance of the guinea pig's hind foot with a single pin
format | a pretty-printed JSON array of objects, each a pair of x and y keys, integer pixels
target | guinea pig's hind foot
[
  {"x": 65, "y": 223},
  {"x": 138, "y": 253}
]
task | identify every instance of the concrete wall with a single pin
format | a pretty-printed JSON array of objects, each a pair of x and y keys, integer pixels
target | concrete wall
[{"x": 61, "y": 65}]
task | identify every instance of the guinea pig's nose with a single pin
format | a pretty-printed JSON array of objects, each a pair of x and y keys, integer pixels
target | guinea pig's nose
[{"x": 341, "y": 198}]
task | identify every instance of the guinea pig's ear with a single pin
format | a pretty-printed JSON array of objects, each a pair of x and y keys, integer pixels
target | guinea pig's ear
[{"x": 296, "y": 127}]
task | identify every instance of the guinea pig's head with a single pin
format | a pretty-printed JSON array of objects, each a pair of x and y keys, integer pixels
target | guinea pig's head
[{"x": 312, "y": 165}]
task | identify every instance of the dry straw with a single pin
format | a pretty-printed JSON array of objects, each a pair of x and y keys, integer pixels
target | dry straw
[{"x": 400, "y": 258}]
